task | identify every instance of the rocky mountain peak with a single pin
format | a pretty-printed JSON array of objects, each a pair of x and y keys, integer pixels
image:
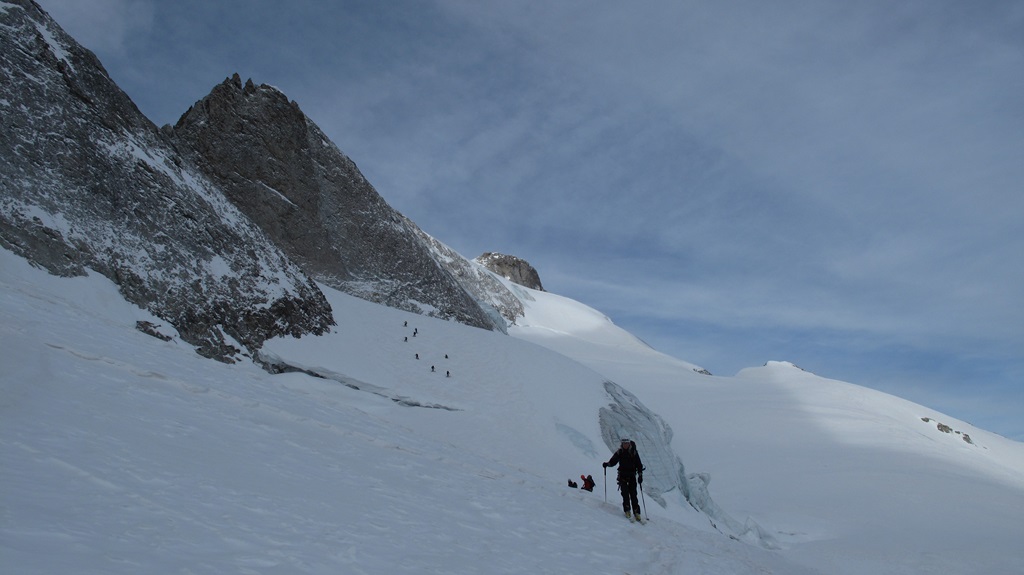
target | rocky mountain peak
[
  {"x": 89, "y": 183},
  {"x": 279, "y": 169},
  {"x": 218, "y": 225},
  {"x": 512, "y": 268}
]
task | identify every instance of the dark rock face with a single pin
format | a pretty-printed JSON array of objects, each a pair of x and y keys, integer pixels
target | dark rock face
[
  {"x": 86, "y": 181},
  {"x": 516, "y": 270},
  {"x": 282, "y": 172}
]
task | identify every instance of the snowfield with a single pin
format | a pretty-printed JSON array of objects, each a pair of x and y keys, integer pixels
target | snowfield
[{"x": 123, "y": 453}]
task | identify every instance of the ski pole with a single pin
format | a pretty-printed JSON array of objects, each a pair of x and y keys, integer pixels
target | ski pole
[
  {"x": 644, "y": 502},
  {"x": 606, "y": 485}
]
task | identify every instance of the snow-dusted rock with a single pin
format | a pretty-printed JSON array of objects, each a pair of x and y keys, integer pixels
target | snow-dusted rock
[
  {"x": 89, "y": 182},
  {"x": 281, "y": 170},
  {"x": 481, "y": 283},
  {"x": 512, "y": 268}
]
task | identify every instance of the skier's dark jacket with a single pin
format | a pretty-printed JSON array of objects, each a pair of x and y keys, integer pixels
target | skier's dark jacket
[{"x": 628, "y": 460}]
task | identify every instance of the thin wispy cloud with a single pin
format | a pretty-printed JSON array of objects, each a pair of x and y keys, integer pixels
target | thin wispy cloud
[
  {"x": 104, "y": 25},
  {"x": 822, "y": 182}
]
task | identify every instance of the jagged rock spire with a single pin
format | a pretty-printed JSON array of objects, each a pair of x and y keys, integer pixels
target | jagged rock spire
[
  {"x": 283, "y": 172},
  {"x": 89, "y": 182}
]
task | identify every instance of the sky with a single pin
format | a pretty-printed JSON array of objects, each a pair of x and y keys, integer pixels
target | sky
[{"x": 833, "y": 184}]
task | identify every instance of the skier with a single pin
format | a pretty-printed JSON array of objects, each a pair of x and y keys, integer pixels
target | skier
[{"x": 631, "y": 472}]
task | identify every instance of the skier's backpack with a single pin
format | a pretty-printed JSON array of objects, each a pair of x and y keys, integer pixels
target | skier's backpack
[{"x": 588, "y": 482}]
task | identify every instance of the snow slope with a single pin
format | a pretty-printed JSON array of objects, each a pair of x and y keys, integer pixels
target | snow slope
[
  {"x": 849, "y": 479},
  {"x": 122, "y": 453}
]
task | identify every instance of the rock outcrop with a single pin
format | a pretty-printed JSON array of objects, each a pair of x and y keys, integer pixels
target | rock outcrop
[
  {"x": 282, "y": 172},
  {"x": 512, "y": 268},
  {"x": 88, "y": 182}
]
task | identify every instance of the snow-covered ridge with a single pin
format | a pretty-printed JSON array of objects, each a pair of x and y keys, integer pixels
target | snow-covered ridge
[{"x": 487, "y": 288}]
